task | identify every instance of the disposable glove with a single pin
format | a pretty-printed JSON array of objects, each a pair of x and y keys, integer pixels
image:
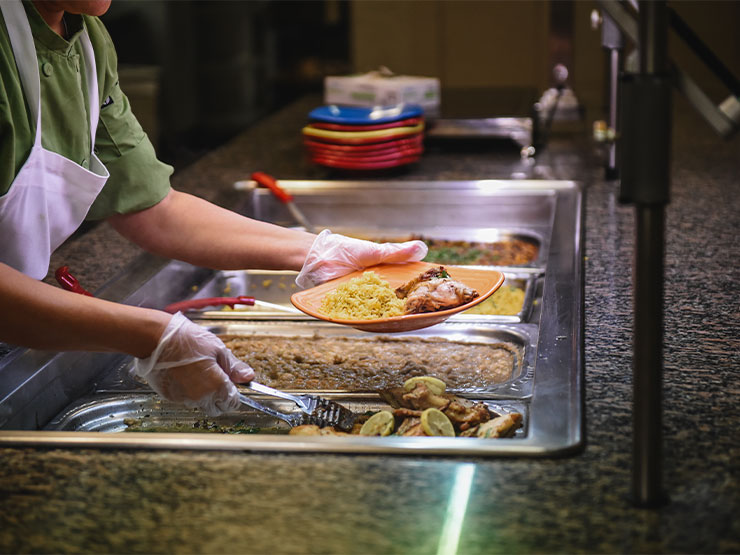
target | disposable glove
[
  {"x": 333, "y": 255},
  {"x": 192, "y": 366}
]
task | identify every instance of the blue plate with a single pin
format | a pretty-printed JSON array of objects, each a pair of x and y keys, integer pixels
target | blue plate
[{"x": 359, "y": 115}]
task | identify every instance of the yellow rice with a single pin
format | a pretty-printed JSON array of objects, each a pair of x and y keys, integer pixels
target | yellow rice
[
  {"x": 367, "y": 297},
  {"x": 508, "y": 300}
]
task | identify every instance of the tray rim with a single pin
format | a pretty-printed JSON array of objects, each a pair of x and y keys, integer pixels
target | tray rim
[
  {"x": 557, "y": 403},
  {"x": 116, "y": 407},
  {"x": 517, "y": 387},
  {"x": 527, "y": 275}
]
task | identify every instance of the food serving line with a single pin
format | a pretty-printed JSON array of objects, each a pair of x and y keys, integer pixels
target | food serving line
[
  {"x": 165, "y": 500},
  {"x": 57, "y": 399}
]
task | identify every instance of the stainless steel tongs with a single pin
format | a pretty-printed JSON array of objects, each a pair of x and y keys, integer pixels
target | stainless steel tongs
[{"x": 314, "y": 410}]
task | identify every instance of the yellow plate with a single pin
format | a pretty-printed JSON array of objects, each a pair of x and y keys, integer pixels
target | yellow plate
[
  {"x": 486, "y": 282},
  {"x": 391, "y": 132}
]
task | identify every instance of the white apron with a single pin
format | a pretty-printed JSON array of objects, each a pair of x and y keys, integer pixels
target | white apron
[{"x": 51, "y": 195}]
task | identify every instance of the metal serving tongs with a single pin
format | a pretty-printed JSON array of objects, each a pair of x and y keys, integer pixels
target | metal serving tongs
[
  {"x": 70, "y": 283},
  {"x": 285, "y": 197},
  {"x": 197, "y": 304},
  {"x": 314, "y": 410}
]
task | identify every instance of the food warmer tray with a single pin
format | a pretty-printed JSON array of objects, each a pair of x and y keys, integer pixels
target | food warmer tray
[
  {"x": 39, "y": 386},
  {"x": 121, "y": 401},
  {"x": 485, "y": 113},
  {"x": 484, "y": 210},
  {"x": 276, "y": 287}
]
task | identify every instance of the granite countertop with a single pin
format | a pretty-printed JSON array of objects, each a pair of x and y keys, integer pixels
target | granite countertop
[{"x": 126, "y": 501}]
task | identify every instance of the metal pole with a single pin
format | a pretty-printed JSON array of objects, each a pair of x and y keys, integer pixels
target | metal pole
[
  {"x": 645, "y": 182},
  {"x": 653, "y": 178},
  {"x": 647, "y": 448},
  {"x": 653, "y": 36},
  {"x": 615, "y": 66},
  {"x": 613, "y": 41}
]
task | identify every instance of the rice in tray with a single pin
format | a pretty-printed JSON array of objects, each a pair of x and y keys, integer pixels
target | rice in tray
[
  {"x": 367, "y": 297},
  {"x": 508, "y": 300},
  {"x": 315, "y": 362}
]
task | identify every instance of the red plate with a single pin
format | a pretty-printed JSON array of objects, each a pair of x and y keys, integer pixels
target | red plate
[
  {"x": 386, "y": 149},
  {"x": 403, "y": 142},
  {"x": 362, "y": 156},
  {"x": 374, "y": 157},
  {"x": 341, "y": 127},
  {"x": 333, "y": 163},
  {"x": 367, "y": 159}
]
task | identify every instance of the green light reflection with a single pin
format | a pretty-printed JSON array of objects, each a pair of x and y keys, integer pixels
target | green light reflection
[{"x": 456, "y": 508}]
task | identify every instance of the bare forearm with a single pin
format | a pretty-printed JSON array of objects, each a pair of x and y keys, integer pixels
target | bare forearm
[
  {"x": 46, "y": 317},
  {"x": 191, "y": 229}
]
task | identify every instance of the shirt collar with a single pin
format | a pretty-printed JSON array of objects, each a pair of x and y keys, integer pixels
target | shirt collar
[{"x": 46, "y": 36}]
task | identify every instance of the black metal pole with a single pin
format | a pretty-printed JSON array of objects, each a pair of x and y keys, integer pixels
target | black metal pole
[
  {"x": 647, "y": 481},
  {"x": 647, "y": 449},
  {"x": 646, "y": 145}
]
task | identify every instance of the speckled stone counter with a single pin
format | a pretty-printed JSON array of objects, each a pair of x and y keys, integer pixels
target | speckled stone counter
[{"x": 225, "y": 502}]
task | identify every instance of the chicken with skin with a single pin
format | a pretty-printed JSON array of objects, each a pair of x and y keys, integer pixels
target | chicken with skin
[{"x": 434, "y": 290}]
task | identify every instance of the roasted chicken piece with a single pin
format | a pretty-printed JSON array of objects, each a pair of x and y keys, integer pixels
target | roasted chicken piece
[
  {"x": 501, "y": 426},
  {"x": 305, "y": 430},
  {"x": 406, "y": 413},
  {"x": 393, "y": 396},
  {"x": 465, "y": 414},
  {"x": 410, "y": 427},
  {"x": 313, "y": 430},
  {"x": 433, "y": 273},
  {"x": 432, "y": 291},
  {"x": 421, "y": 397}
]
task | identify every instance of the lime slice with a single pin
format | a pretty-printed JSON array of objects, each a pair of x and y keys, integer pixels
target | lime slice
[
  {"x": 379, "y": 424},
  {"x": 434, "y": 385},
  {"x": 435, "y": 423}
]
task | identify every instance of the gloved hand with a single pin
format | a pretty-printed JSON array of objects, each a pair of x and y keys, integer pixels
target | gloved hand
[
  {"x": 333, "y": 255},
  {"x": 190, "y": 365}
]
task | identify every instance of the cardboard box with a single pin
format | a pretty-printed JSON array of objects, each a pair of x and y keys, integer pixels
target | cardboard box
[{"x": 377, "y": 88}]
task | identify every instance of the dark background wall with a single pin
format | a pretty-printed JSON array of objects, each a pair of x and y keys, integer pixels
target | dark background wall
[{"x": 199, "y": 71}]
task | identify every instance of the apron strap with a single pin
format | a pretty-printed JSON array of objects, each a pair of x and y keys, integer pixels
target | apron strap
[
  {"x": 24, "y": 50},
  {"x": 92, "y": 84}
]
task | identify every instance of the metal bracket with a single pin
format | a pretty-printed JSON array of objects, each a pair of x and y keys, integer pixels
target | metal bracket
[{"x": 723, "y": 118}]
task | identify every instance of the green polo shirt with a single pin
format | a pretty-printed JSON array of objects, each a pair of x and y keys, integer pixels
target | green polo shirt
[{"x": 137, "y": 179}]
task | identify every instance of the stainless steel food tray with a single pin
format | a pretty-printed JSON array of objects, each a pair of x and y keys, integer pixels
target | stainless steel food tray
[
  {"x": 516, "y": 129},
  {"x": 145, "y": 412},
  {"x": 485, "y": 210},
  {"x": 522, "y": 338},
  {"x": 37, "y": 386},
  {"x": 112, "y": 415},
  {"x": 276, "y": 287}
]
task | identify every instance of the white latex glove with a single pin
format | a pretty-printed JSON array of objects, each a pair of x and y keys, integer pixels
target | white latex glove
[
  {"x": 190, "y": 365},
  {"x": 333, "y": 255}
]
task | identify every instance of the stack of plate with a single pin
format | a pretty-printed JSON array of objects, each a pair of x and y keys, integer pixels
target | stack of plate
[{"x": 357, "y": 138}]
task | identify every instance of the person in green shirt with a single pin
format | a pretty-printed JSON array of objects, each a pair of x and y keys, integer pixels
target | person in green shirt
[{"x": 70, "y": 150}]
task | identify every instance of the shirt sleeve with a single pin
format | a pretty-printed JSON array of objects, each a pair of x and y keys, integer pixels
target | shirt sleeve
[{"x": 137, "y": 179}]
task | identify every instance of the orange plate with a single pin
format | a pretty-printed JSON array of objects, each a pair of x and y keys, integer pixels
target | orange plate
[{"x": 486, "y": 282}]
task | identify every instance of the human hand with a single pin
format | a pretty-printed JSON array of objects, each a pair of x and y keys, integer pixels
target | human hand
[
  {"x": 333, "y": 255},
  {"x": 190, "y": 365}
]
